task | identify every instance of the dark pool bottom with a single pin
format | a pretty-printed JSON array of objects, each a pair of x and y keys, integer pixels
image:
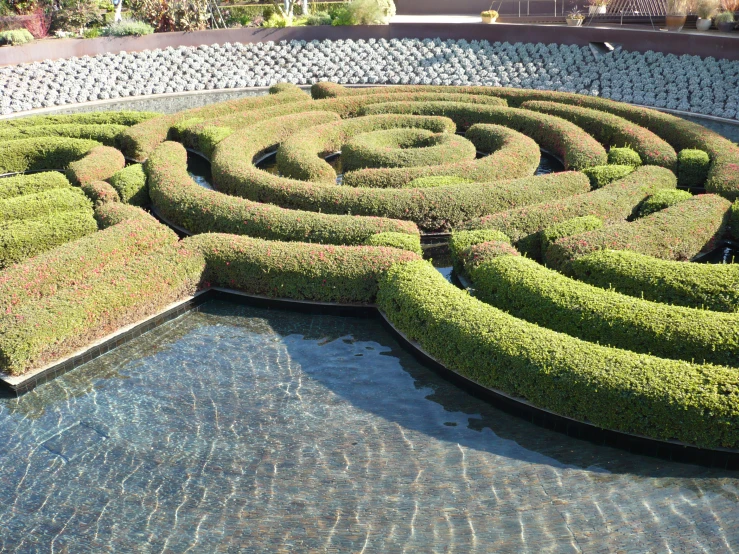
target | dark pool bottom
[{"x": 237, "y": 429}]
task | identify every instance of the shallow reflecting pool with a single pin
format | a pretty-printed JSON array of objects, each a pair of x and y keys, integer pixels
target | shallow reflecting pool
[{"x": 235, "y": 429}]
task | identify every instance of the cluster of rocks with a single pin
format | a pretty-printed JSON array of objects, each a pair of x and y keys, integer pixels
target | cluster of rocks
[{"x": 689, "y": 83}]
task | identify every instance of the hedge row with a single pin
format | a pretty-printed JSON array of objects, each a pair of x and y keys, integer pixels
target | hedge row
[
  {"x": 104, "y": 134},
  {"x": 299, "y": 155},
  {"x": 663, "y": 199},
  {"x": 36, "y": 154},
  {"x": 472, "y": 257},
  {"x": 613, "y": 202},
  {"x": 565, "y": 140},
  {"x": 21, "y": 239},
  {"x": 601, "y": 175},
  {"x": 405, "y": 148},
  {"x": 139, "y": 141},
  {"x": 126, "y": 118},
  {"x": 723, "y": 176},
  {"x": 99, "y": 164},
  {"x": 412, "y": 243},
  {"x": 527, "y": 290},
  {"x": 130, "y": 184},
  {"x": 179, "y": 199},
  {"x": 100, "y": 192},
  {"x": 607, "y": 387},
  {"x": 512, "y": 156},
  {"x": 571, "y": 227},
  {"x": 294, "y": 270},
  {"x": 43, "y": 203},
  {"x": 111, "y": 213},
  {"x": 613, "y": 131},
  {"x": 461, "y": 241},
  {"x": 19, "y": 185},
  {"x": 676, "y": 233},
  {"x": 204, "y": 136}
]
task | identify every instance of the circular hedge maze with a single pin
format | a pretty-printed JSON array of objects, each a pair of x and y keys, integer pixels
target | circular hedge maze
[{"x": 583, "y": 300}]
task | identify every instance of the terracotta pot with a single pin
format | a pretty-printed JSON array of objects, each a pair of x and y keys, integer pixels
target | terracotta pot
[
  {"x": 675, "y": 22},
  {"x": 725, "y": 26},
  {"x": 488, "y": 19},
  {"x": 703, "y": 24},
  {"x": 574, "y": 22}
]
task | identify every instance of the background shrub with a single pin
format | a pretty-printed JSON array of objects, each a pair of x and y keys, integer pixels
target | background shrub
[
  {"x": 693, "y": 167},
  {"x": 15, "y": 37},
  {"x": 128, "y": 27}
]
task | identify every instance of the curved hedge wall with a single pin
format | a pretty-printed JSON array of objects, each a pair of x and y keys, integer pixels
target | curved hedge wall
[
  {"x": 36, "y": 154},
  {"x": 43, "y": 203},
  {"x": 32, "y": 183},
  {"x": 100, "y": 163}
]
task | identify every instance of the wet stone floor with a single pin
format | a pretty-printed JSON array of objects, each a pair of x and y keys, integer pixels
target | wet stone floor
[{"x": 234, "y": 429}]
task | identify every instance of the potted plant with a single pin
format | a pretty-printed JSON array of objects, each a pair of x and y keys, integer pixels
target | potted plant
[
  {"x": 575, "y": 18},
  {"x": 597, "y": 6},
  {"x": 725, "y": 21},
  {"x": 489, "y": 16},
  {"x": 677, "y": 13},
  {"x": 705, "y": 9}
]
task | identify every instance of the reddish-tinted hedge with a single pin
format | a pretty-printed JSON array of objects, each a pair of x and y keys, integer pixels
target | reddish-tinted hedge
[{"x": 99, "y": 164}]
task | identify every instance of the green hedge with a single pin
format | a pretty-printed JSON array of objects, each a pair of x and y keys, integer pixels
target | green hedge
[
  {"x": 130, "y": 183},
  {"x": 100, "y": 192},
  {"x": 179, "y": 199},
  {"x": 108, "y": 214},
  {"x": 568, "y": 228},
  {"x": 43, "y": 203},
  {"x": 104, "y": 134},
  {"x": 676, "y": 233},
  {"x": 437, "y": 181},
  {"x": 412, "y": 243},
  {"x": 127, "y": 118},
  {"x": 565, "y": 140},
  {"x": 613, "y": 132},
  {"x": 30, "y": 184},
  {"x": 602, "y": 175},
  {"x": 295, "y": 270},
  {"x": 626, "y": 156},
  {"x": 21, "y": 239},
  {"x": 607, "y": 387},
  {"x": 527, "y": 290},
  {"x": 663, "y": 199},
  {"x": 36, "y": 154},
  {"x": 693, "y": 167},
  {"x": 405, "y": 148},
  {"x": 460, "y": 241},
  {"x": 471, "y": 257},
  {"x": 734, "y": 220},
  {"x": 706, "y": 286},
  {"x": 99, "y": 164},
  {"x": 613, "y": 202}
]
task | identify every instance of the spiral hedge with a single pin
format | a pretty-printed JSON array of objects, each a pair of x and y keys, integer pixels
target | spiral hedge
[{"x": 584, "y": 298}]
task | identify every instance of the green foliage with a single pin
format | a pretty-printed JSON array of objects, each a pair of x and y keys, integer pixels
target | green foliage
[
  {"x": 708, "y": 286},
  {"x": 608, "y": 387},
  {"x": 677, "y": 233},
  {"x": 461, "y": 241},
  {"x": 93, "y": 32},
  {"x": 527, "y": 290},
  {"x": 470, "y": 258},
  {"x": 128, "y": 27},
  {"x": 437, "y": 181},
  {"x": 569, "y": 228},
  {"x": 126, "y": 118},
  {"x": 15, "y": 37},
  {"x": 403, "y": 241},
  {"x": 624, "y": 156},
  {"x": 21, "y": 239},
  {"x": 693, "y": 167},
  {"x": 105, "y": 134},
  {"x": 36, "y": 154},
  {"x": 319, "y": 18},
  {"x": 100, "y": 192},
  {"x": 662, "y": 199},
  {"x": 99, "y": 164},
  {"x": 76, "y": 15},
  {"x": 601, "y": 175},
  {"x": 108, "y": 214},
  {"x": 299, "y": 271},
  {"x": 734, "y": 220},
  {"x": 32, "y": 183},
  {"x": 42, "y": 203},
  {"x": 130, "y": 183}
]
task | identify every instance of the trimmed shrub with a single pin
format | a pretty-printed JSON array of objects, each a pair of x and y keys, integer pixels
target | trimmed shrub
[
  {"x": 100, "y": 163},
  {"x": 104, "y": 134},
  {"x": 568, "y": 228},
  {"x": 21, "y": 239},
  {"x": 602, "y": 175},
  {"x": 565, "y": 140},
  {"x": 412, "y": 243},
  {"x": 614, "y": 132},
  {"x": 627, "y": 156},
  {"x": 130, "y": 183},
  {"x": 693, "y": 167},
  {"x": 38, "y": 332},
  {"x": 706, "y": 286},
  {"x": 527, "y": 290},
  {"x": 15, "y": 37},
  {"x": 128, "y": 27},
  {"x": 462, "y": 240},
  {"x": 36, "y": 154},
  {"x": 437, "y": 181},
  {"x": 607, "y": 387},
  {"x": 42, "y": 203},
  {"x": 676, "y": 233},
  {"x": 179, "y": 199},
  {"x": 127, "y": 118},
  {"x": 112, "y": 213},
  {"x": 613, "y": 202},
  {"x": 100, "y": 192},
  {"x": 299, "y": 271},
  {"x": 31, "y": 184},
  {"x": 278, "y": 88},
  {"x": 470, "y": 258},
  {"x": 663, "y": 199}
]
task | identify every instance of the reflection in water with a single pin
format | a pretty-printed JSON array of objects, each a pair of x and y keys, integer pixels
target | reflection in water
[{"x": 239, "y": 429}]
